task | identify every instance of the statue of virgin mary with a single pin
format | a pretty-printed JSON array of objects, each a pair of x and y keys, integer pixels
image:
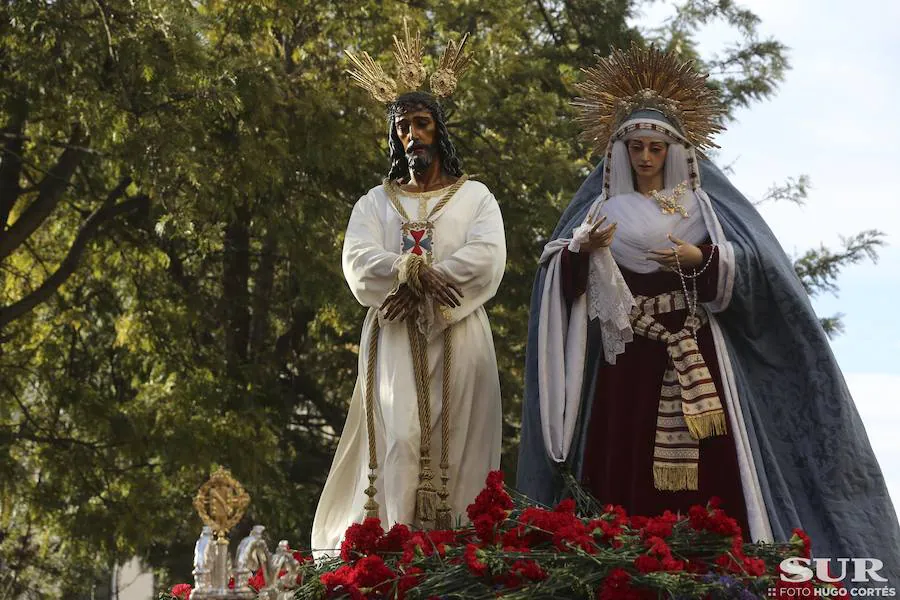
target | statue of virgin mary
[{"x": 673, "y": 354}]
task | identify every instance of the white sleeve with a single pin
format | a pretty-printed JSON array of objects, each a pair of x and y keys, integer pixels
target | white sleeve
[
  {"x": 370, "y": 269},
  {"x": 477, "y": 267}
]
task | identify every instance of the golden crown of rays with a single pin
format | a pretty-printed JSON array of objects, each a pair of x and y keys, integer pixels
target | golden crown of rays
[
  {"x": 411, "y": 71},
  {"x": 650, "y": 79}
]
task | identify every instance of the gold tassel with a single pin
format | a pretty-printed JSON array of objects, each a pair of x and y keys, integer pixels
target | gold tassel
[
  {"x": 426, "y": 495},
  {"x": 706, "y": 425},
  {"x": 673, "y": 478},
  {"x": 443, "y": 520},
  {"x": 443, "y": 517}
]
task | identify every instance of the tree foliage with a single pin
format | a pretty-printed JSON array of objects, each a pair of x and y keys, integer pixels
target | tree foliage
[{"x": 175, "y": 178}]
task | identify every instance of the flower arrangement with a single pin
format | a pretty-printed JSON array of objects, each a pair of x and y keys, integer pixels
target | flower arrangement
[{"x": 521, "y": 550}]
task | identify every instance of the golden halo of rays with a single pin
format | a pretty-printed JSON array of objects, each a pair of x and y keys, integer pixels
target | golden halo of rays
[
  {"x": 454, "y": 62},
  {"x": 408, "y": 56},
  {"x": 410, "y": 69},
  {"x": 647, "y": 78}
]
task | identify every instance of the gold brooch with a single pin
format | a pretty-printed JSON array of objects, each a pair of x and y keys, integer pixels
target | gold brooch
[{"x": 669, "y": 203}]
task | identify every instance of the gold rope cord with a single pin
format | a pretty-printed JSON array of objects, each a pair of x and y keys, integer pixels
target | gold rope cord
[
  {"x": 371, "y": 503},
  {"x": 391, "y": 187},
  {"x": 431, "y": 504},
  {"x": 426, "y": 494},
  {"x": 413, "y": 279},
  {"x": 443, "y": 511}
]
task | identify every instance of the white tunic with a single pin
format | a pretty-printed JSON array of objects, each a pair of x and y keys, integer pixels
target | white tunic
[{"x": 470, "y": 249}]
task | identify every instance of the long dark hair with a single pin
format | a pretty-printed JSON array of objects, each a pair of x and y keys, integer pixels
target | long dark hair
[{"x": 410, "y": 101}]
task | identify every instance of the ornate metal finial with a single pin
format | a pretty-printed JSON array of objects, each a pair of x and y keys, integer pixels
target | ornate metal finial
[{"x": 221, "y": 502}]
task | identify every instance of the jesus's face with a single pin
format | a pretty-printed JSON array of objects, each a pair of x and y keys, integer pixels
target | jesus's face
[
  {"x": 648, "y": 157},
  {"x": 417, "y": 131}
]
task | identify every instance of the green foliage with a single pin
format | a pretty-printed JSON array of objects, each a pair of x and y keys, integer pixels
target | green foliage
[
  {"x": 818, "y": 268},
  {"x": 175, "y": 178}
]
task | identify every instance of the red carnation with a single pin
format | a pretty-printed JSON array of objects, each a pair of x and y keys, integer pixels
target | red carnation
[
  {"x": 182, "y": 591},
  {"x": 726, "y": 562},
  {"x": 361, "y": 539},
  {"x": 574, "y": 534},
  {"x": 472, "y": 556},
  {"x": 529, "y": 569},
  {"x": 698, "y": 516},
  {"x": 394, "y": 539},
  {"x": 615, "y": 513},
  {"x": 647, "y": 564},
  {"x": 660, "y": 526},
  {"x": 491, "y": 507},
  {"x": 658, "y": 546},
  {"x": 638, "y": 521},
  {"x": 494, "y": 480},
  {"x": 721, "y": 523},
  {"x": 617, "y": 586},
  {"x": 508, "y": 580},
  {"x": 608, "y": 530},
  {"x": 486, "y": 528},
  {"x": 408, "y": 580},
  {"x": 801, "y": 541},
  {"x": 492, "y": 500},
  {"x": 371, "y": 572},
  {"x": 670, "y": 564},
  {"x": 561, "y": 525},
  {"x": 698, "y": 567},
  {"x": 755, "y": 566},
  {"x": 516, "y": 540},
  {"x": 342, "y": 577},
  {"x": 426, "y": 543}
]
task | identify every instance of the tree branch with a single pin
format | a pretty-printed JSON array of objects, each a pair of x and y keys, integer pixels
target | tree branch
[
  {"x": 51, "y": 191},
  {"x": 552, "y": 30},
  {"x": 11, "y": 161},
  {"x": 818, "y": 269},
  {"x": 87, "y": 233}
]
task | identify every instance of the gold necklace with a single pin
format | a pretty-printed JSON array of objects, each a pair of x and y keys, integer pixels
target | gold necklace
[
  {"x": 669, "y": 203},
  {"x": 417, "y": 237}
]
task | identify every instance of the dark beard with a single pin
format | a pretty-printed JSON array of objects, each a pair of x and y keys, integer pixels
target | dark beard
[{"x": 419, "y": 163}]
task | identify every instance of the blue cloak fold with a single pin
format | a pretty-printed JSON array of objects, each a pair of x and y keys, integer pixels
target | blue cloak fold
[{"x": 816, "y": 466}]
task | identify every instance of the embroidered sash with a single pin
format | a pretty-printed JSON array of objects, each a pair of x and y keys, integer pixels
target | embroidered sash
[{"x": 689, "y": 406}]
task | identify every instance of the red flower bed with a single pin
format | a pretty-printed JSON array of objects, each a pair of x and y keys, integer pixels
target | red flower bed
[{"x": 524, "y": 550}]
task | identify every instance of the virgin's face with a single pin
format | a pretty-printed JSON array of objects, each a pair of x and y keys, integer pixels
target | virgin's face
[{"x": 648, "y": 156}]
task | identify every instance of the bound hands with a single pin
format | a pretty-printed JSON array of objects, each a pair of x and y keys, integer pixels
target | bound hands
[
  {"x": 689, "y": 255},
  {"x": 443, "y": 291},
  {"x": 599, "y": 238}
]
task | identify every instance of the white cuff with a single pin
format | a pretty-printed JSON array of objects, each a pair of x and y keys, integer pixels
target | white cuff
[{"x": 581, "y": 235}]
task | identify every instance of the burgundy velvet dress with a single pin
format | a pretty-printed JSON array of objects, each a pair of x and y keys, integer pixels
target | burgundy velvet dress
[{"x": 618, "y": 455}]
